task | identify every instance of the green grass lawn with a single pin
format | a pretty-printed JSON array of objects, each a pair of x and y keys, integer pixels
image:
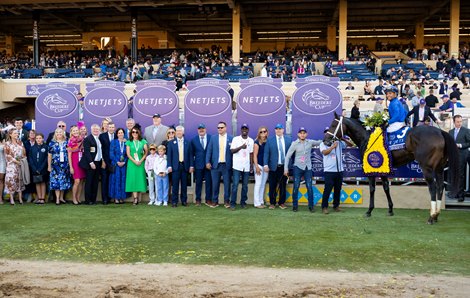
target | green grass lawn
[{"x": 252, "y": 237}]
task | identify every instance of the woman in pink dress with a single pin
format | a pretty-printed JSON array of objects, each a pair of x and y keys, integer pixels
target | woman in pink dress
[
  {"x": 75, "y": 151},
  {"x": 14, "y": 152}
]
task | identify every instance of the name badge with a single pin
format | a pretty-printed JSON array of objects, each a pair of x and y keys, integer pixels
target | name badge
[
  {"x": 92, "y": 149},
  {"x": 136, "y": 156},
  {"x": 61, "y": 156},
  {"x": 302, "y": 159},
  {"x": 80, "y": 154}
]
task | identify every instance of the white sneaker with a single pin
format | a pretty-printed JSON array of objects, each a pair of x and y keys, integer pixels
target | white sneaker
[
  {"x": 157, "y": 204},
  {"x": 165, "y": 204},
  {"x": 150, "y": 203}
]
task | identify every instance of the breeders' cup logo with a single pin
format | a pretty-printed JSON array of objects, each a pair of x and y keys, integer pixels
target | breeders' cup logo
[
  {"x": 151, "y": 100},
  {"x": 317, "y": 161},
  {"x": 261, "y": 100},
  {"x": 414, "y": 166},
  {"x": 351, "y": 163},
  {"x": 55, "y": 103},
  {"x": 317, "y": 98},
  {"x": 207, "y": 101}
]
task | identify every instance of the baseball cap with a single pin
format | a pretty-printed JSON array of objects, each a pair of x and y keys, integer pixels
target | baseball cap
[
  {"x": 244, "y": 125},
  {"x": 156, "y": 116},
  {"x": 279, "y": 125},
  {"x": 379, "y": 98},
  {"x": 422, "y": 101},
  {"x": 445, "y": 96},
  {"x": 302, "y": 129},
  {"x": 201, "y": 125}
]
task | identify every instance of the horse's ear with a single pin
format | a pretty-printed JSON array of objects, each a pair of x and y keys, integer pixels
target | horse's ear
[{"x": 336, "y": 115}]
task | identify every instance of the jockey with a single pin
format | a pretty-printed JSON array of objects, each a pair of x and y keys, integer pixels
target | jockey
[{"x": 396, "y": 110}]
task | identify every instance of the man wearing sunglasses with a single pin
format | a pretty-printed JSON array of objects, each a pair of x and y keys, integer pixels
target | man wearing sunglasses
[
  {"x": 219, "y": 162},
  {"x": 63, "y": 126}
]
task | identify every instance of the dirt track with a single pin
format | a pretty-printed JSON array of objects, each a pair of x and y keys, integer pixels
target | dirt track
[{"x": 60, "y": 279}]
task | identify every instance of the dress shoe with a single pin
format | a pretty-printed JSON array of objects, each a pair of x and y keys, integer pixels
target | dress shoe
[
  {"x": 174, "y": 205},
  {"x": 214, "y": 205},
  {"x": 272, "y": 207},
  {"x": 227, "y": 205},
  {"x": 184, "y": 204},
  {"x": 295, "y": 209},
  {"x": 243, "y": 206},
  {"x": 282, "y": 206},
  {"x": 208, "y": 203},
  {"x": 325, "y": 211},
  {"x": 311, "y": 209},
  {"x": 337, "y": 209},
  {"x": 104, "y": 203}
]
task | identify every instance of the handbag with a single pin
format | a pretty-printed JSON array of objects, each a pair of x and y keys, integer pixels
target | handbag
[{"x": 38, "y": 178}]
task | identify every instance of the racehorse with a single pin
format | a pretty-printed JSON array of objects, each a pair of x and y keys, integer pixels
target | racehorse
[{"x": 431, "y": 147}]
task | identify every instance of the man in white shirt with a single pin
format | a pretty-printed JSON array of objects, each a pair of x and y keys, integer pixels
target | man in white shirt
[{"x": 242, "y": 150}]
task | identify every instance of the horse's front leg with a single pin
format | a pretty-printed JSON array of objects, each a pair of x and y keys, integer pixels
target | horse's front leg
[
  {"x": 386, "y": 186},
  {"x": 439, "y": 191},
  {"x": 433, "y": 192},
  {"x": 372, "y": 194}
]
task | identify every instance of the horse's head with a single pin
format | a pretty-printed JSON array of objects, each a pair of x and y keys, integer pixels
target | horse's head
[{"x": 336, "y": 130}]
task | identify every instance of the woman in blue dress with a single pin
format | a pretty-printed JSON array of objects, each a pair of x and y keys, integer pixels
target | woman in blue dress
[
  {"x": 58, "y": 166},
  {"x": 117, "y": 179}
]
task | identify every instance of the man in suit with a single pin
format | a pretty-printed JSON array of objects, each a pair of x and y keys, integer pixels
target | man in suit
[
  {"x": 420, "y": 113},
  {"x": 274, "y": 158},
  {"x": 105, "y": 139},
  {"x": 156, "y": 133},
  {"x": 130, "y": 123},
  {"x": 199, "y": 149},
  {"x": 92, "y": 161},
  {"x": 61, "y": 125},
  {"x": 22, "y": 133},
  {"x": 180, "y": 163},
  {"x": 443, "y": 87},
  {"x": 219, "y": 162},
  {"x": 461, "y": 136}
]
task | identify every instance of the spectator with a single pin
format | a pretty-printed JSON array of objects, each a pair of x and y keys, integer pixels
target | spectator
[
  {"x": 355, "y": 114},
  {"x": 379, "y": 89},
  {"x": 274, "y": 157},
  {"x": 350, "y": 86},
  {"x": 130, "y": 122},
  {"x": 61, "y": 125},
  {"x": 37, "y": 159},
  {"x": 14, "y": 152},
  {"x": 242, "y": 153},
  {"x": 447, "y": 105},
  {"x": 420, "y": 113},
  {"x": 75, "y": 153},
  {"x": 431, "y": 99},
  {"x": 22, "y": 133},
  {"x": 58, "y": 166},
  {"x": 379, "y": 107},
  {"x": 443, "y": 87},
  {"x": 118, "y": 159},
  {"x": 258, "y": 164},
  {"x": 137, "y": 150},
  {"x": 199, "y": 150},
  {"x": 461, "y": 134},
  {"x": 161, "y": 171},
  {"x": 455, "y": 92},
  {"x": 302, "y": 149},
  {"x": 219, "y": 162}
]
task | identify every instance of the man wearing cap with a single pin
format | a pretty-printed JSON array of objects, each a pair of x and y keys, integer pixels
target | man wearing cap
[
  {"x": 447, "y": 105},
  {"x": 156, "y": 133},
  {"x": 274, "y": 159},
  {"x": 379, "y": 107},
  {"x": 219, "y": 162},
  {"x": 302, "y": 148},
  {"x": 420, "y": 113},
  {"x": 199, "y": 149},
  {"x": 242, "y": 152},
  {"x": 180, "y": 163},
  {"x": 395, "y": 110}
]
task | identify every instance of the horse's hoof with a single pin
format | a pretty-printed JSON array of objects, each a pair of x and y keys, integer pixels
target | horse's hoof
[
  {"x": 435, "y": 217},
  {"x": 390, "y": 213},
  {"x": 430, "y": 221},
  {"x": 367, "y": 214}
]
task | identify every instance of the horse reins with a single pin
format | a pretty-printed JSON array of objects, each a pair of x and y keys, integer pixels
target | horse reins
[{"x": 338, "y": 127}]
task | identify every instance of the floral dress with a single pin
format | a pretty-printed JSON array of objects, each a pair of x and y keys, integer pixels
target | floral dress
[
  {"x": 13, "y": 177},
  {"x": 60, "y": 171}
]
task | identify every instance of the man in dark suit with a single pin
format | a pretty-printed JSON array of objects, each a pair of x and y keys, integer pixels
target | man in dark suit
[
  {"x": 199, "y": 149},
  {"x": 92, "y": 162},
  {"x": 61, "y": 125},
  {"x": 105, "y": 139},
  {"x": 219, "y": 162},
  {"x": 274, "y": 157},
  {"x": 461, "y": 135},
  {"x": 443, "y": 87},
  {"x": 130, "y": 123},
  {"x": 22, "y": 133},
  {"x": 420, "y": 113},
  {"x": 180, "y": 163}
]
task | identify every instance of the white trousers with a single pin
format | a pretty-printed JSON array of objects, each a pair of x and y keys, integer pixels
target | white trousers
[{"x": 260, "y": 185}]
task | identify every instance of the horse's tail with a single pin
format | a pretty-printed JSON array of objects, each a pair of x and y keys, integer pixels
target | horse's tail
[{"x": 452, "y": 153}]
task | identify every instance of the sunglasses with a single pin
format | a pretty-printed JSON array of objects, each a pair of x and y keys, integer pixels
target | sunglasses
[
  {"x": 135, "y": 131},
  {"x": 221, "y": 127},
  {"x": 263, "y": 131},
  {"x": 152, "y": 149},
  {"x": 60, "y": 125},
  {"x": 171, "y": 132}
]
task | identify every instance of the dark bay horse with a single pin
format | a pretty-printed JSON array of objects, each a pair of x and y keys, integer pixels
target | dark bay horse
[{"x": 432, "y": 148}]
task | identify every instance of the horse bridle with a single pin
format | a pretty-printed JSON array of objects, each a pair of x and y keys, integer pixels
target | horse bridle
[{"x": 338, "y": 127}]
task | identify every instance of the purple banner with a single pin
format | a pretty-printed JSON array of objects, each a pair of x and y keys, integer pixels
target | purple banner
[
  {"x": 54, "y": 105},
  {"x": 207, "y": 104},
  {"x": 156, "y": 99},
  {"x": 352, "y": 163},
  {"x": 102, "y": 102},
  {"x": 260, "y": 104},
  {"x": 257, "y": 80},
  {"x": 156, "y": 82},
  {"x": 313, "y": 105},
  {"x": 36, "y": 89},
  {"x": 208, "y": 81},
  {"x": 107, "y": 84}
]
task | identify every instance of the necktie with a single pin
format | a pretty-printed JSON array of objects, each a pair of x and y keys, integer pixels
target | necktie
[
  {"x": 281, "y": 150},
  {"x": 111, "y": 137},
  {"x": 155, "y": 130},
  {"x": 456, "y": 132},
  {"x": 180, "y": 150},
  {"x": 202, "y": 143},
  {"x": 221, "y": 149}
]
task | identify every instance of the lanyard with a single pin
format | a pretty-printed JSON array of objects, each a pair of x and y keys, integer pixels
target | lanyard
[
  {"x": 121, "y": 147},
  {"x": 137, "y": 147}
]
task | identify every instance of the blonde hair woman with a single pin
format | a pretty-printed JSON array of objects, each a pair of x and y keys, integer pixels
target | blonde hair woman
[
  {"x": 260, "y": 176},
  {"x": 58, "y": 166},
  {"x": 14, "y": 152}
]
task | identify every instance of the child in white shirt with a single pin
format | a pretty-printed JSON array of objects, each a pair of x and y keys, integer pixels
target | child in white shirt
[
  {"x": 160, "y": 169},
  {"x": 149, "y": 165}
]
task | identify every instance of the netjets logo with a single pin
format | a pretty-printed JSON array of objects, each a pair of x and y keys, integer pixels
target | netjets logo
[
  {"x": 55, "y": 103},
  {"x": 316, "y": 99}
]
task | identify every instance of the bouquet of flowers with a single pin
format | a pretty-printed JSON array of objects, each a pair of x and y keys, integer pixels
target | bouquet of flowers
[{"x": 377, "y": 119}]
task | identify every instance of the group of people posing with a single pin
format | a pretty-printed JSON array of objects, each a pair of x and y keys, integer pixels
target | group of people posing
[{"x": 130, "y": 161}]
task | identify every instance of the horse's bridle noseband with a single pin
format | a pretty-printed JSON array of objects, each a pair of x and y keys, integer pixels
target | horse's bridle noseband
[{"x": 339, "y": 126}]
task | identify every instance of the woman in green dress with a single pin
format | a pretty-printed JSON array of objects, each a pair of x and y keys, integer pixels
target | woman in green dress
[{"x": 136, "y": 181}]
